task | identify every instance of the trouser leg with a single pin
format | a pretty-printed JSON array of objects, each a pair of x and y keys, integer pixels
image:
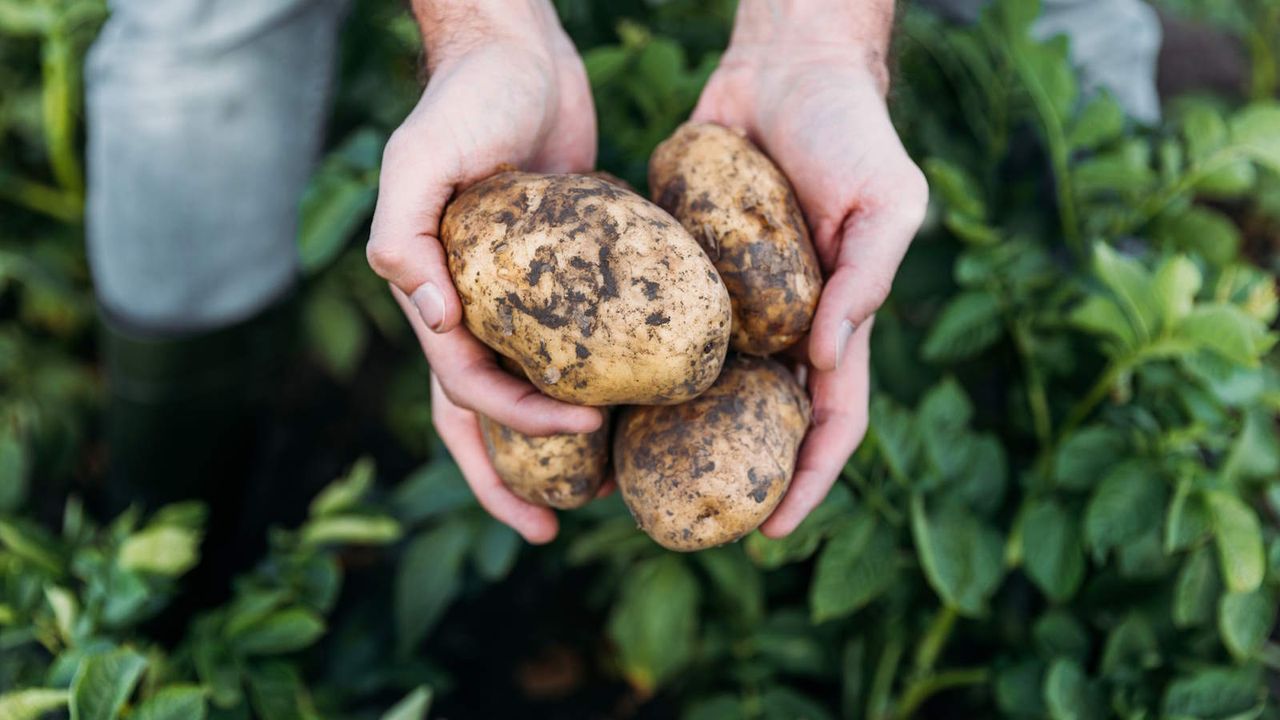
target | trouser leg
[{"x": 204, "y": 118}]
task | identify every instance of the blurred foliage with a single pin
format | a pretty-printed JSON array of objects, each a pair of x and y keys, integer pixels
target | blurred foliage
[{"x": 1066, "y": 506}]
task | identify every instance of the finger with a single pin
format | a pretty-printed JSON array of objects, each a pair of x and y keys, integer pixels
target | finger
[
  {"x": 873, "y": 243},
  {"x": 840, "y": 422},
  {"x": 469, "y": 374},
  {"x": 606, "y": 488},
  {"x": 460, "y": 432},
  {"x": 404, "y": 246}
]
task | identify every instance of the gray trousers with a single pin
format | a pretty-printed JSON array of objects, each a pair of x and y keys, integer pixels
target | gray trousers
[{"x": 205, "y": 116}]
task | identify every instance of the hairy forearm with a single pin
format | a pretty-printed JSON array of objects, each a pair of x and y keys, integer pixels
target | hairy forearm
[
  {"x": 452, "y": 27},
  {"x": 859, "y": 29}
]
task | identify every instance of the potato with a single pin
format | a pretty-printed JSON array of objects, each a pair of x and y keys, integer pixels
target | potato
[
  {"x": 559, "y": 471},
  {"x": 742, "y": 210},
  {"x": 599, "y": 295},
  {"x": 709, "y": 471}
]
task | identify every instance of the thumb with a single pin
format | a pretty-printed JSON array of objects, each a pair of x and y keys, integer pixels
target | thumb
[{"x": 404, "y": 246}]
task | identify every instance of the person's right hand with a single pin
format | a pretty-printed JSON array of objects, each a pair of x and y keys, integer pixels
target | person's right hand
[{"x": 506, "y": 87}]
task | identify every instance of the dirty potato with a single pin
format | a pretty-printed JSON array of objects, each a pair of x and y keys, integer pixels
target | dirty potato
[
  {"x": 707, "y": 472},
  {"x": 559, "y": 471},
  {"x": 742, "y": 210},
  {"x": 599, "y": 295}
]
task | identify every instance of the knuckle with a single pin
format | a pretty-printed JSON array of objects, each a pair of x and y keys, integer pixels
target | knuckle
[
  {"x": 385, "y": 258},
  {"x": 876, "y": 289}
]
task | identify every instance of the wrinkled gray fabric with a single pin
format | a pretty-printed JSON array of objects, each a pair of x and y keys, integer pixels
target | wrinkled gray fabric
[
  {"x": 1114, "y": 45},
  {"x": 204, "y": 117}
]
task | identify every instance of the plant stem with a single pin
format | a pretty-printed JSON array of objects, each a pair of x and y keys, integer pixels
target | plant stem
[
  {"x": 925, "y": 688},
  {"x": 1037, "y": 399},
  {"x": 878, "y": 705},
  {"x": 57, "y": 204},
  {"x": 1095, "y": 395},
  {"x": 934, "y": 639}
]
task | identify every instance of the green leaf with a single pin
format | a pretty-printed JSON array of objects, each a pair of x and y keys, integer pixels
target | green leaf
[
  {"x": 345, "y": 493},
  {"x": 251, "y": 606},
  {"x": 350, "y": 530},
  {"x": 803, "y": 541},
  {"x": 1100, "y": 121},
  {"x": 1177, "y": 281},
  {"x": 1130, "y": 282},
  {"x": 1204, "y": 130},
  {"x": 160, "y": 549},
  {"x": 969, "y": 324},
  {"x": 1086, "y": 455},
  {"x": 31, "y": 703},
  {"x": 961, "y": 556},
  {"x": 857, "y": 565},
  {"x": 1245, "y": 620},
  {"x": 1188, "y": 520},
  {"x": 943, "y": 420},
  {"x": 1053, "y": 553},
  {"x": 605, "y": 64},
  {"x": 1125, "y": 171},
  {"x": 174, "y": 702},
  {"x": 31, "y": 543},
  {"x": 895, "y": 434},
  {"x": 1057, "y": 634},
  {"x": 13, "y": 470},
  {"x": 495, "y": 550},
  {"x": 1228, "y": 181},
  {"x": 283, "y": 631},
  {"x": 1256, "y": 129},
  {"x": 738, "y": 583},
  {"x": 432, "y": 490},
  {"x": 1255, "y": 452},
  {"x": 427, "y": 580},
  {"x": 1200, "y": 230},
  {"x": 65, "y": 611},
  {"x": 716, "y": 707},
  {"x": 1018, "y": 690},
  {"x": 334, "y": 205},
  {"x": 413, "y": 706},
  {"x": 1126, "y": 504},
  {"x": 783, "y": 702},
  {"x": 955, "y": 186},
  {"x": 1239, "y": 540},
  {"x": 1047, "y": 67},
  {"x": 336, "y": 331},
  {"x": 654, "y": 622},
  {"x": 1196, "y": 591},
  {"x": 278, "y": 693},
  {"x": 1104, "y": 316},
  {"x": 1227, "y": 331},
  {"x": 1068, "y": 694},
  {"x": 214, "y": 664},
  {"x": 1214, "y": 694},
  {"x": 1131, "y": 649},
  {"x": 104, "y": 683}
]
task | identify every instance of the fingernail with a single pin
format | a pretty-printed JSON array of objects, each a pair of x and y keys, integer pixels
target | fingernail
[
  {"x": 430, "y": 304},
  {"x": 842, "y": 339}
]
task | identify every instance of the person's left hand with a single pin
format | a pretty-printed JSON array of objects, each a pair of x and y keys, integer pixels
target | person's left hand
[{"x": 818, "y": 110}]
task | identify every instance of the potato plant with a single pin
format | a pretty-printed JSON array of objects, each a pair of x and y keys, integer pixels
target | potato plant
[{"x": 1066, "y": 506}]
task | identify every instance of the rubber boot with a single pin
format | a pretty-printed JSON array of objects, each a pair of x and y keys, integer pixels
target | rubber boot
[{"x": 184, "y": 420}]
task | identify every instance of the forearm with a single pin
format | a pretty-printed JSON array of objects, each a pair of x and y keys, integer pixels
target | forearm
[
  {"x": 857, "y": 30},
  {"x": 450, "y": 28}
]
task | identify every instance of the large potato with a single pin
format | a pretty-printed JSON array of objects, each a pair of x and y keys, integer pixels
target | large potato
[
  {"x": 709, "y": 471},
  {"x": 559, "y": 471},
  {"x": 599, "y": 295},
  {"x": 742, "y": 210}
]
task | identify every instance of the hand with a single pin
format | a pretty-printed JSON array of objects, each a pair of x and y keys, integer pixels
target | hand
[
  {"x": 506, "y": 87},
  {"x": 810, "y": 91}
]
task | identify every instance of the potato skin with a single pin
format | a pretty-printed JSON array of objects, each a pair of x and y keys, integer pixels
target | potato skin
[
  {"x": 600, "y": 296},
  {"x": 740, "y": 207},
  {"x": 709, "y": 471},
  {"x": 559, "y": 471}
]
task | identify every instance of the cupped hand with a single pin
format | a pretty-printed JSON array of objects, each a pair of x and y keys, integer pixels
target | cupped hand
[
  {"x": 818, "y": 110},
  {"x": 510, "y": 93}
]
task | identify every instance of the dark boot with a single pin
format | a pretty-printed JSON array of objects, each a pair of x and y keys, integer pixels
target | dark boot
[{"x": 184, "y": 419}]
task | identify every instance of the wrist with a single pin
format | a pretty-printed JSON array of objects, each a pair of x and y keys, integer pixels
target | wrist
[
  {"x": 452, "y": 28},
  {"x": 845, "y": 32}
]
